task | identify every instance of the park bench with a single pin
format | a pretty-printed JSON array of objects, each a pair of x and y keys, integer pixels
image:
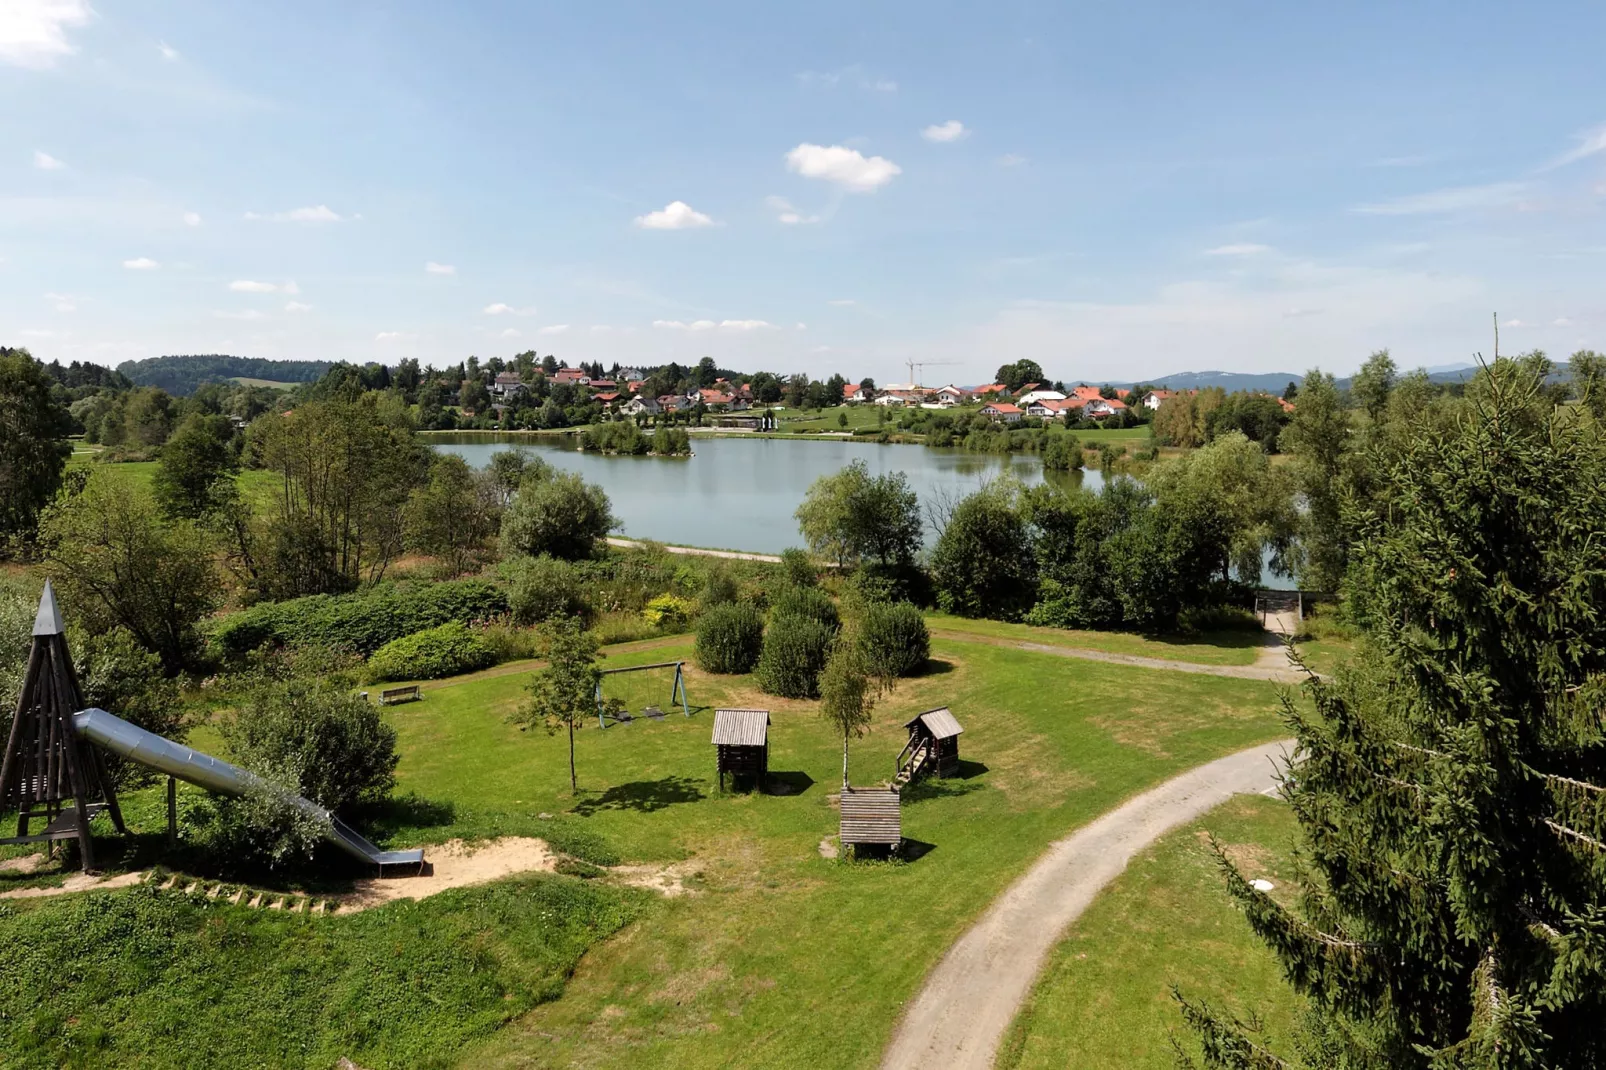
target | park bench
[{"x": 391, "y": 696}]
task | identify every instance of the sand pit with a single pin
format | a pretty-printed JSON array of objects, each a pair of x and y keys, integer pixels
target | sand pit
[
  {"x": 455, "y": 865},
  {"x": 78, "y": 882}
]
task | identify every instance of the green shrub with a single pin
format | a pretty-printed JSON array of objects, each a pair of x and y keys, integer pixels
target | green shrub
[
  {"x": 445, "y": 650},
  {"x": 799, "y": 568},
  {"x": 795, "y": 652},
  {"x": 622, "y": 627},
  {"x": 618, "y": 436},
  {"x": 894, "y": 640},
  {"x": 1061, "y": 452},
  {"x": 667, "y": 611},
  {"x": 544, "y": 588},
  {"x": 809, "y": 603},
  {"x": 874, "y": 582},
  {"x": 358, "y": 622},
  {"x": 671, "y": 442},
  {"x": 729, "y": 638},
  {"x": 720, "y": 587},
  {"x": 563, "y": 516}
]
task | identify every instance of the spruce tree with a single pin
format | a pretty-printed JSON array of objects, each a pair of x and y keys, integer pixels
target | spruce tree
[{"x": 1449, "y": 782}]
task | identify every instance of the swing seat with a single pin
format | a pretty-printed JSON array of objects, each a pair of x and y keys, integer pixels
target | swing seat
[{"x": 654, "y": 712}]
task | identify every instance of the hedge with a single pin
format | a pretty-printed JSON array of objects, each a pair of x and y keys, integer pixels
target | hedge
[
  {"x": 729, "y": 638},
  {"x": 795, "y": 650},
  {"x": 445, "y": 650},
  {"x": 894, "y": 639},
  {"x": 809, "y": 603},
  {"x": 358, "y": 622}
]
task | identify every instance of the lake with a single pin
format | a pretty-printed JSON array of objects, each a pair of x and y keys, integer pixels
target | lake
[{"x": 739, "y": 493}]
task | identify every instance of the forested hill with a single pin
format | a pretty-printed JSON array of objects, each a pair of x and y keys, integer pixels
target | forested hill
[{"x": 181, "y": 375}]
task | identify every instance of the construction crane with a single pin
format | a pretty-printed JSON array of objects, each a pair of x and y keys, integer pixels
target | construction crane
[{"x": 916, "y": 365}]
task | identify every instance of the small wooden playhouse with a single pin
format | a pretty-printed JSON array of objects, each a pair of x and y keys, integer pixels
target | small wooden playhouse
[
  {"x": 933, "y": 745},
  {"x": 742, "y": 745}
]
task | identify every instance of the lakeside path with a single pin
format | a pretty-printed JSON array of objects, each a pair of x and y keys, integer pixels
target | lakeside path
[
  {"x": 733, "y": 555},
  {"x": 971, "y": 996},
  {"x": 1271, "y": 663}
]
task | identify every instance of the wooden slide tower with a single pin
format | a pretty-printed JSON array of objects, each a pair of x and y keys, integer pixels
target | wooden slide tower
[{"x": 46, "y": 764}]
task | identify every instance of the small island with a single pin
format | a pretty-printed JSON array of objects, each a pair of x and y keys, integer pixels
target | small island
[{"x": 622, "y": 437}]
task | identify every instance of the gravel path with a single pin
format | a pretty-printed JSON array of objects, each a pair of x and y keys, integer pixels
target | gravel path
[
  {"x": 972, "y": 995},
  {"x": 1270, "y": 661}
]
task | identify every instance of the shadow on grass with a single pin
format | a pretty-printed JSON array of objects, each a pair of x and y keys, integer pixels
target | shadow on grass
[
  {"x": 935, "y": 667},
  {"x": 643, "y": 796},
  {"x": 790, "y": 783},
  {"x": 914, "y": 850},
  {"x": 380, "y": 821},
  {"x": 1225, "y": 639},
  {"x": 927, "y": 788}
]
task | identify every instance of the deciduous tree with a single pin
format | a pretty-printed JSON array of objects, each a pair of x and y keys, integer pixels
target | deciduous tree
[{"x": 33, "y": 442}]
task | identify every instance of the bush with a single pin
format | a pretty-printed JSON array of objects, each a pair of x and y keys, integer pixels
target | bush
[
  {"x": 874, "y": 582},
  {"x": 358, "y": 622},
  {"x": 671, "y": 442},
  {"x": 1061, "y": 452},
  {"x": 445, "y": 650},
  {"x": 563, "y": 516},
  {"x": 544, "y": 588},
  {"x": 808, "y": 603},
  {"x": 799, "y": 568},
  {"x": 118, "y": 675},
  {"x": 619, "y": 436},
  {"x": 894, "y": 640},
  {"x": 719, "y": 588},
  {"x": 729, "y": 638},
  {"x": 323, "y": 742},
  {"x": 667, "y": 611},
  {"x": 982, "y": 565},
  {"x": 795, "y": 652}
]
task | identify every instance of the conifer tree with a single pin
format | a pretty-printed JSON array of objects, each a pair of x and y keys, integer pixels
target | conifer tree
[{"x": 1449, "y": 783}]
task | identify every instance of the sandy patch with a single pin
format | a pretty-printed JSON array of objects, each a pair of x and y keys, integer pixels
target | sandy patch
[
  {"x": 78, "y": 882},
  {"x": 25, "y": 864},
  {"x": 667, "y": 880},
  {"x": 828, "y": 847},
  {"x": 455, "y": 865}
]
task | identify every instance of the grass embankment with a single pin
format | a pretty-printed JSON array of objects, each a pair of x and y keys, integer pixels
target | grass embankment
[
  {"x": 256, "y": 484},
  {"x": 775, "y": 940},
  {"x": 1104, "y": 998},
  {"x": 1229, "y": 647}
]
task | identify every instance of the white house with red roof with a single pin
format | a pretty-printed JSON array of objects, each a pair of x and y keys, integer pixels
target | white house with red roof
[{"x": 1003, "y": 411}]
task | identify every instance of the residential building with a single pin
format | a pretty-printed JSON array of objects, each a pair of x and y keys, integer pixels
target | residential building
[
  {"x": 1052, "y": 408},
  {"x": 607, "y": 397},
  {"x": 603, "y": 384},
  {"x": 990, "y": 388},
  {"x": 1027, "y": 399},
  {"x": 572, "y": 376},
  {"x": 1003, "y": 411},
  {"x": 507, "y": 384},
  {"x": 855, "y": 395},
  {"x": 950, "y": 395},
  {"x": 640, "y": 406}
]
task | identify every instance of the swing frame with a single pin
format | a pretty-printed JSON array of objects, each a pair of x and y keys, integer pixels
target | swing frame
[{"x": 677, "y": 690}]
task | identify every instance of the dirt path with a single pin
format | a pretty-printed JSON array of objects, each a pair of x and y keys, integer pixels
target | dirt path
[
  {"x": 969, "y": 999},
  {"x": 733, "y": 555},
  {"x": 1270, "y": 662}
]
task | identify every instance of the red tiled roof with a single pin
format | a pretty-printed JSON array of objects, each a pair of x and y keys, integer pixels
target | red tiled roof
[
  {"x": 992, "y": 388},
  {"x": 1002, "y": 407},
  {"x": 605, "y": 398},
  {"x": 1086, "y": 392}
]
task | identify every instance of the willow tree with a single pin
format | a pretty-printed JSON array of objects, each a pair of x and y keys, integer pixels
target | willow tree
[{"x": 1451, "y": 786}]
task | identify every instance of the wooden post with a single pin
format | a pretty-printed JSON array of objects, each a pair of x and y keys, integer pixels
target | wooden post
[{"x": 172, "y": 812}]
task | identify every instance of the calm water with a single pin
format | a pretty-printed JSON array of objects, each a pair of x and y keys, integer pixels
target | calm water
[{"x": 740, "y": 493}]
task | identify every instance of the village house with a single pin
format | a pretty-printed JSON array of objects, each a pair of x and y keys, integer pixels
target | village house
[
  {"x": 855, "y": 395},
  {"x": 1002, "y": 411},
  {"x": 1102, "y": 407},
  {"x": 640, "y": 406},
  {"x": 603, "y": 384},
  {"x": 1028, "y": 398},
  {"x": 990, "y": 388},
  {"x": 949, "y": 396},
  {"x": 607, "y": 397},
  {"x": 896, "y": 399},
  {"x": 507, "y": 385},
  {"x": 572, "y": 376},
  {"x": 672, "y": 403},
  {"x": 1052, "y": 408},
  {"x": 1085, "y": 392}
]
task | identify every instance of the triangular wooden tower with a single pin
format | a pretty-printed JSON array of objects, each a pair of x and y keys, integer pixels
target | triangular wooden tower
[{"x": 45, "y": 763}]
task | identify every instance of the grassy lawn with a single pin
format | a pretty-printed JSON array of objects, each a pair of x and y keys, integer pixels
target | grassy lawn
[
  {"x": 1205, "y": 648},
  {"x": 1137, "y": 436},
  {"x": 255, "y": 484},
  {"x": 1105, "y": 997},
  {"x": 773, "y": 941},
  {"x": 826, "y": 419}
]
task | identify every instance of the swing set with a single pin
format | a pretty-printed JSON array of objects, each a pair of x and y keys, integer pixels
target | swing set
[{"x": 677, "y": 693}]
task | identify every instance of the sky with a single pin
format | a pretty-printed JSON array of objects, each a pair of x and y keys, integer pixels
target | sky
[{"x": 1115, "y": 190}]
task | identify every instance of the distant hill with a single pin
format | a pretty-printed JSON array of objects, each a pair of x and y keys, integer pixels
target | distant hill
[
  {"x": 1269, "y": 382},
  {"x": 181, "y": 375}
]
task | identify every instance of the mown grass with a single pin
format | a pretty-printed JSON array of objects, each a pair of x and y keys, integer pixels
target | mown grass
[
  {"x": 1104, "y": 998},
  {"x": 255, "y": 484},
  {"x": 1228, "y": 647},
  {"x": 160, "y": 979}
]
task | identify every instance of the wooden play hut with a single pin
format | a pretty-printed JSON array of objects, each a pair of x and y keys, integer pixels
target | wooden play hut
[
  {"x": 871, "y": 817},
  {"x": 742, "y": 745},
  {"x": 933, "y": 743}
]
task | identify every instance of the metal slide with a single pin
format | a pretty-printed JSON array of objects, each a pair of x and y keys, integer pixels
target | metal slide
[{"x": 205, "y": 771}]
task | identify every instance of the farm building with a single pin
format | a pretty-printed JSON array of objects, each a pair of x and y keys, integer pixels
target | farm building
[
  {"x": 742, "y": 745},
  {"x": 933, "y": 743},
  {"x": 871, "y": 816}
]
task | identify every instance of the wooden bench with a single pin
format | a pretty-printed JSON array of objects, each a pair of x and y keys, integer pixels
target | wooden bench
[{"x": 393, "y": 695}]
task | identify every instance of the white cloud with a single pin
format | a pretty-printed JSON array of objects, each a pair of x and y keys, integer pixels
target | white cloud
[
  {"x": 33, "y": 33},
  {"x": 712, "y": 325},
  {"x": 169, "y": 53},
  {"x": 246, "y": 286},
  {"x": 843, "y": 302},
  {"x": 676, "y": 215},
  {"x": 1515, "y": 323},
  {"x": 1590, "y": 143},
  {"x": 141, "y": 263},
  {"x": 952, "y": 130},
  {"x": 1561, "y": 321},
  {"x": 787, "y": 213},
  {"x": 46, "y": 162},
  {"x": 503, "y": 309},
  {"x": 800, "y": 326},
  {"x": 508, "y": 333},
  {"x": 296, "y": 306},
  {"x": 391, "y": 336},
  {"x": 1010, "y": 159},
  {"x": 1454, "y": 199},
  {"x": 844, "y": 166},
  {"x": 556, "y": 328},
  {"x": 439, "y": 269},
  {"x": 64, "y": 302},
  {"x": 853, "y": 75},
  {"x": 192, "y": 219},
  {"x": 1238, "y": 249},
  {"x": 248, "y": 314},
  {"x": 318, "y": 214}
]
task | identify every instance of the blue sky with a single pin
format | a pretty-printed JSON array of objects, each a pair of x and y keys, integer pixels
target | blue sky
[{"x": 1115, "y": 190}]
